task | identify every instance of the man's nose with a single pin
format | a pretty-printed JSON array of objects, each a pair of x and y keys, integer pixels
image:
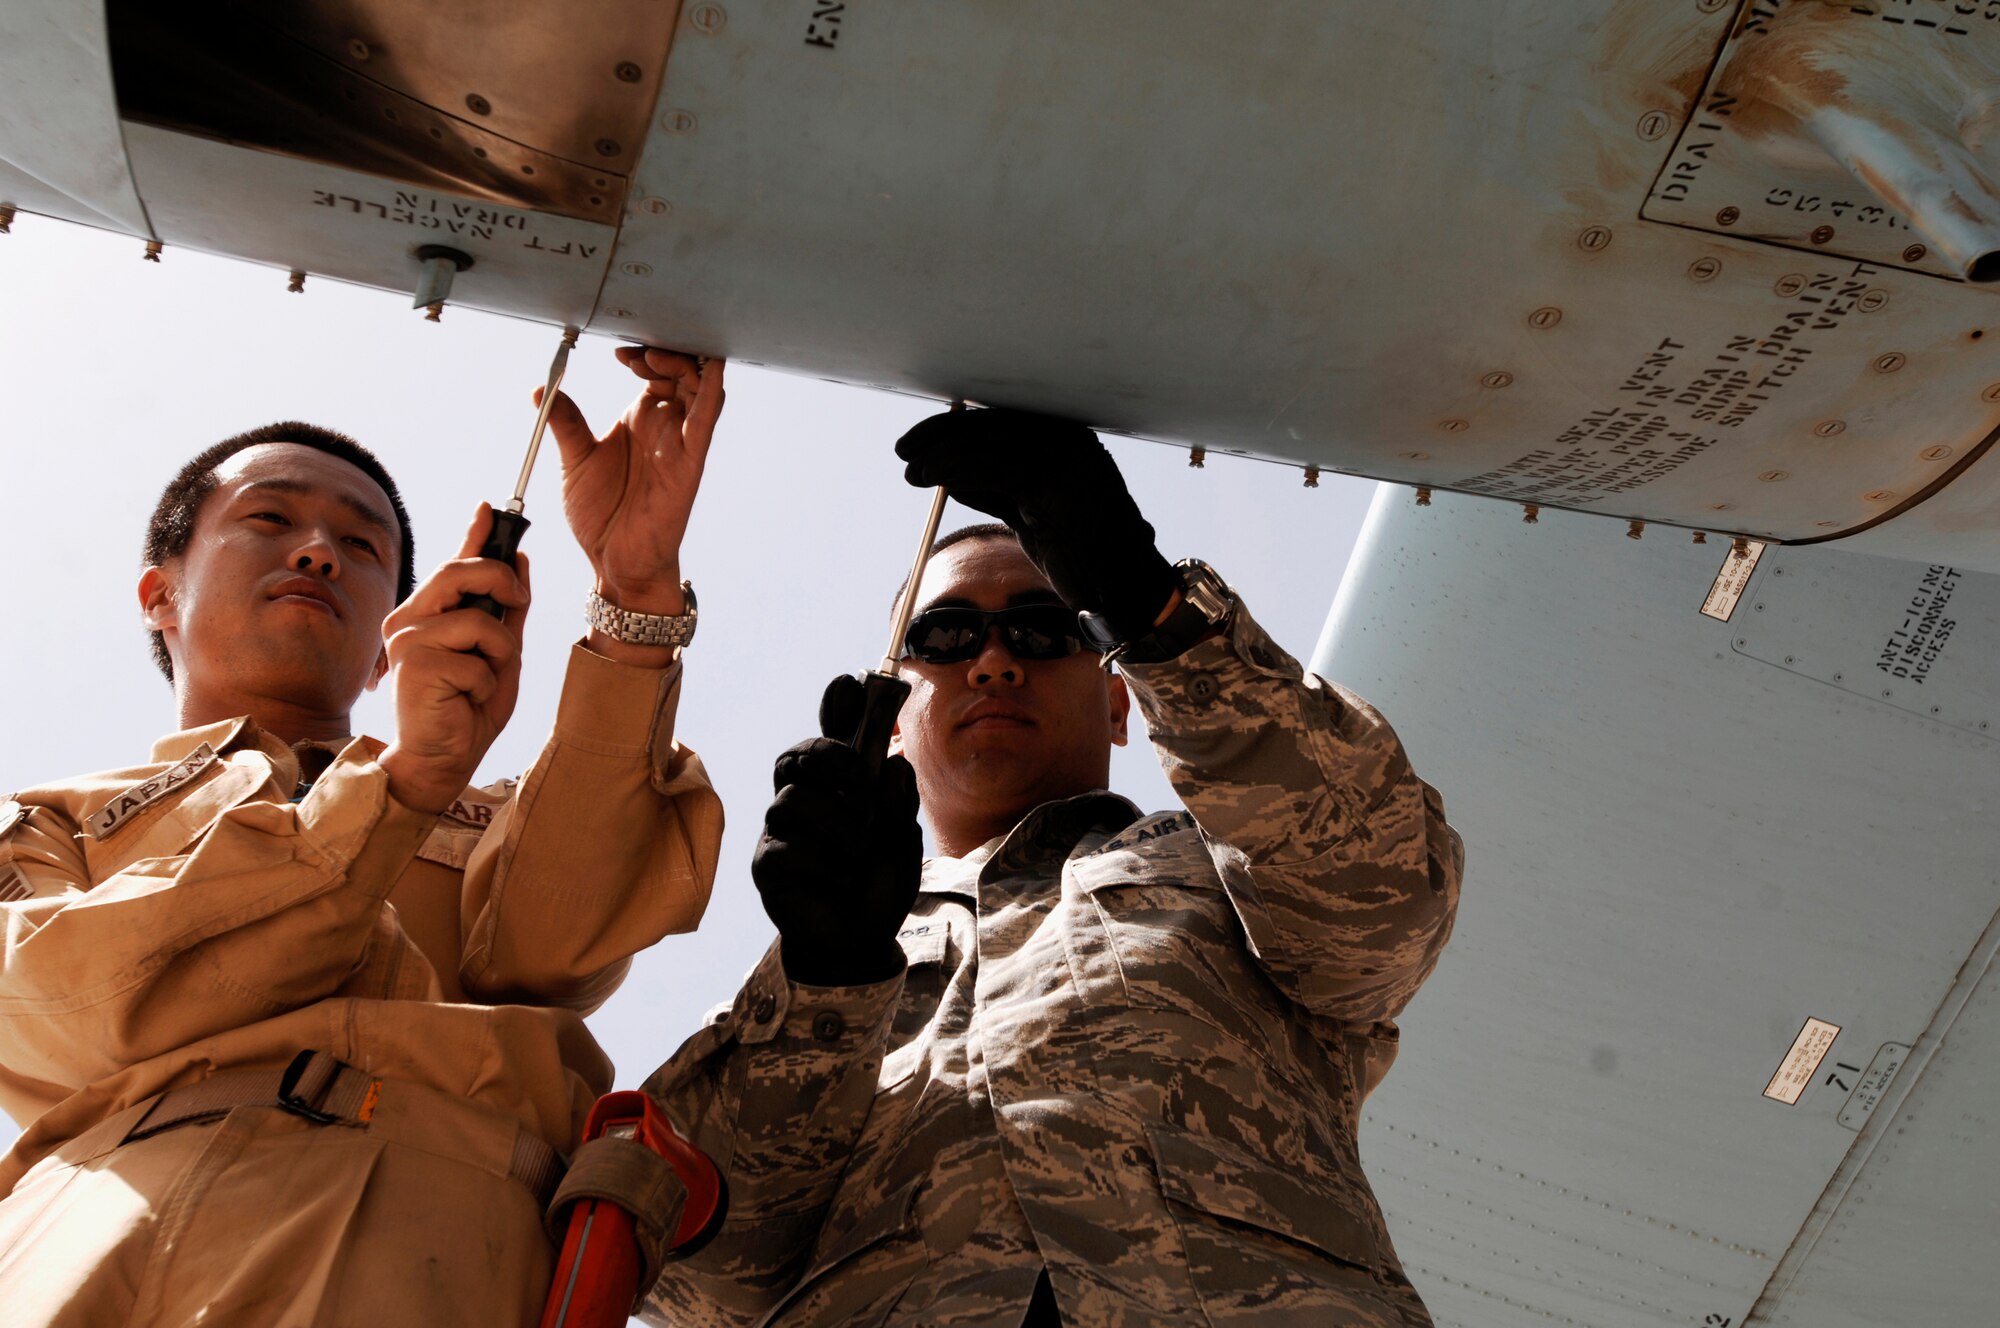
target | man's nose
[
  {"x": 317, "y": 553},
  {"x": 995, "y": 663}
]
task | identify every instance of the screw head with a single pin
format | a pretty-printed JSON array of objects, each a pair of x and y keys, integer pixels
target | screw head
[
  {"x": 656, "y": 207},
  {"x": 358, "y": 48},
  {"x": 1774, "y": 476},
  {"x": 708, "y": 19},
  {"x": 1914, "y": 253},
  {"x": 679, "y": 122},
  {"x": 1416, "y": 456},
  {"x": 1704, "y": 269},
  {"x": 1722, "y": 507},
  {"x": 1828, "y": 428},
  {"x": 627, "y": 72},
  {"x": 1821, "y": 234},
  {"x": 1871, "y": 300},
  {"x": 1710, "y": 6},
  {"x": 1992, "y": 393},
  {"x": 1545, "y": 317},
  {"x": 1653, "y": 125},
  {"x": 1789, "y": 285},
  {"x": 636, "y": 269},
  {"x": 1454, "y": 426},
  {"x": 477, "y": 104},
  {"x": 607, "y": 147},
  {"x": 1728, "y": 216},
  {"x": 1594, "y": 238},
  {"x": 1935, "y": 453},
  {"x": 1498, "y": 378},
  {"x": 617, "y": 313},
  {"x": 1878, "y": 495},
  {"x": 1890, "y": 362}
]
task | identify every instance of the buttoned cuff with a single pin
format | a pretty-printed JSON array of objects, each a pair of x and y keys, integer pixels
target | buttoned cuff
[
  {"x": 1189, "y": 685},
  {"x": 621, "y": 709},
  {"x": 393, "y": 833},
  {"x": 771, "y": 1007}
]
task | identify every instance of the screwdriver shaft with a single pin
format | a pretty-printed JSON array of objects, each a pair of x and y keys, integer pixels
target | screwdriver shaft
[
  {"x": 906, "y": 605},
  {"x": 556, "y": 368}
]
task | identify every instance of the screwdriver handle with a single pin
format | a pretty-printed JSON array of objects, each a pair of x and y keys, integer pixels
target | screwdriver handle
[
  {"x": 502, "y": 541},
  {"x": 882, "y": 699}
]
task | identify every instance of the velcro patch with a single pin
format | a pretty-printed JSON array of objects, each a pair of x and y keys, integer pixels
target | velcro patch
[{"x": 119, "y": 812}]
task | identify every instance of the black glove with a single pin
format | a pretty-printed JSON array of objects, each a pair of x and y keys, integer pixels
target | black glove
[
  {"x": 841, "y": 854},
  {"x": 1060, "y": 491}
]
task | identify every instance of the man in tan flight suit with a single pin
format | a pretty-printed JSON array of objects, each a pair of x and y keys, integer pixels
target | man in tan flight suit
[
  {"x": 1084, "y": 1066},
  {"x": 294, "y": 1019}
]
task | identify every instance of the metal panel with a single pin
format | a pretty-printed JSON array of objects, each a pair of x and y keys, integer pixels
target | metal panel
[
  {"x": 1677, "y": 855},
  {"x": 291, "y": 213},
  {"x": 1402, "y": 242},
  {"x": 60, "y": 149}
]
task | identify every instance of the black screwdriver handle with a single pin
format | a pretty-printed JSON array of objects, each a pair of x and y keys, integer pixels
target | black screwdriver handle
[
  {"x": 502, "y": 541},
  {"x": 882, "y": 696}
]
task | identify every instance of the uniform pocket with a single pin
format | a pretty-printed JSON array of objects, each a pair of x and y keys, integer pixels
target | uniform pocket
[
  {"x": 926, "y": 949},
  {"x": 857, "y": 1277},
  {"x": 1226, "y": 1182}
]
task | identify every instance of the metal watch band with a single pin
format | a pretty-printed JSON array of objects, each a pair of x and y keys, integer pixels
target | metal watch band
[
  {"x": 643, "y": 629},
  {"x": 1205, "y": 605}
]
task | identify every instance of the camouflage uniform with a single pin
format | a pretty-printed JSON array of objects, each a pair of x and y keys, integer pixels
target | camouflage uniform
[{"x": 1132, "y": 1050}]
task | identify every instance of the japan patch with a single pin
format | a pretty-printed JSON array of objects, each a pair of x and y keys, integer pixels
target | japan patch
[{"x": 122, "y": 808}]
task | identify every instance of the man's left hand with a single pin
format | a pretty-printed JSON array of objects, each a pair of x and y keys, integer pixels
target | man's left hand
[
  {"x": 1057, "y": 487},
  {"x": 628, "y": 493}
]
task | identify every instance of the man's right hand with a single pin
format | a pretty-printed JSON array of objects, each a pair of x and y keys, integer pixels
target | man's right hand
[
  {"x": 841, "y": 854},
  {"x": 457, "y": 672}
]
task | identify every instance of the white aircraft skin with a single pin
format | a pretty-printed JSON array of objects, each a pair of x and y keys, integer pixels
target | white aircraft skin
[{"x": 1714, "y": 268}]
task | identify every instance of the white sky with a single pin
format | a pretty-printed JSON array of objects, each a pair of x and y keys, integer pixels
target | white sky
[{"x": 116, "y": 371}]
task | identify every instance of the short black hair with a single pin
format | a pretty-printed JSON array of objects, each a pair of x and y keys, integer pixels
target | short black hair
[
  {"x": 978, "y": 530},
  {"x": 172, "y": 525}
]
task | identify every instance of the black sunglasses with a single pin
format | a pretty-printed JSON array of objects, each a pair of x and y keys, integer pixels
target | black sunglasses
[{"x": 1032, "y": 631}]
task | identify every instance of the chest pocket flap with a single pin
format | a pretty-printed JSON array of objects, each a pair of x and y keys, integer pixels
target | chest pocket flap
[
  {"x": 178, "y": 821},
  {"x": 1222, "y": 1181}
]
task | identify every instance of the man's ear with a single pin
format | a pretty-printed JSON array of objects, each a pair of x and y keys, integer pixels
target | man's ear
[
  {"x": 157, "y": 587},
  {"x": 376, "y": 674},
  {"x": 1121, "y": 710},
  {"x": 896, "y": 740}
]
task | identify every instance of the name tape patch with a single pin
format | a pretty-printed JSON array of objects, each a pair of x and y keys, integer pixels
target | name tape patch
[{"x": 121, "y": 809}]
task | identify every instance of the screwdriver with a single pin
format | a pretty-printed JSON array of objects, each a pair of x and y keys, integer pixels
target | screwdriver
[
  {"x": 504, "y": 539},
  {"x": 883, "y": 689}
]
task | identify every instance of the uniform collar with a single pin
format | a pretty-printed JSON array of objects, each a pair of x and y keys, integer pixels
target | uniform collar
[
  {"x": 1049, "y": 832},
  {"x": 224, "y": 735}
]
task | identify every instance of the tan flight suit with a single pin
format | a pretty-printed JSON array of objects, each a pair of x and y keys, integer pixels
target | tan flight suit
[
  {"x": 181, "y": 922},
  {"x": 1132, "y": 1050}
]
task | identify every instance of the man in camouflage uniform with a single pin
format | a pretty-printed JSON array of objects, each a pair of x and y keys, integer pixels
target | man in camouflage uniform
[{"x": 1111, "y": 1071}]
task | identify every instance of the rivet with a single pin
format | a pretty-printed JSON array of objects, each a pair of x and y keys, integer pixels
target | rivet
[
  {"x": 1654, "y": 125},
  {"x": 1821, "y": 234},
  {"x": 1498, "y": 378},
  {"x": 1878, "y": 495},
  {"x": 1775, "y": 476},
  {"x": 1531, "y": 513},
  {"x": 1198, "y": 457},
  {"x": 1914, "y": 253},
  {"x": 1828, "y": 428},
  {"x": 636, "y": 269},
  {"x": 1636, "y": 530},
  {"x": 1312, "y": 477},
  {"x": 1871, "y": 300},
  {"x": 1938, "y": 453},
  {"x": 657, "y": 207},
  {"x": 434, "y": 313},
  {"x": 708, "y": 19},
  {"x": 1728, "y": 216},
  {"x": 1701, "y": 537},
  {"x": 477, "y": 104},
  {"x": 297, "y": 284},
  {"x": 679, "y": 122},
  {"x": 627, "y": 72},
  {"x": 1593, "y": 239},
  {"x": 1890, "y": 362},
  {"x": 1992, "y": 393},
  {"x": 6, "y": 219},
  {"x": 1704, "y": 269},
  {"x": 1545, "y": 317},
  {"x": 153, "y": 248},
  {"x": 358, "y": 48},
  {"x": 1789, "y": 285},
  {"x": 1423, "y": 495},
  {"x": 607, "y": 147},
  {"x": 1453, "y": 426}
]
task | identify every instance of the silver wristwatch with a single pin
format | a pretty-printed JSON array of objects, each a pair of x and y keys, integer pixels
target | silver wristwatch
[{"x": 642, "y": 629}]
